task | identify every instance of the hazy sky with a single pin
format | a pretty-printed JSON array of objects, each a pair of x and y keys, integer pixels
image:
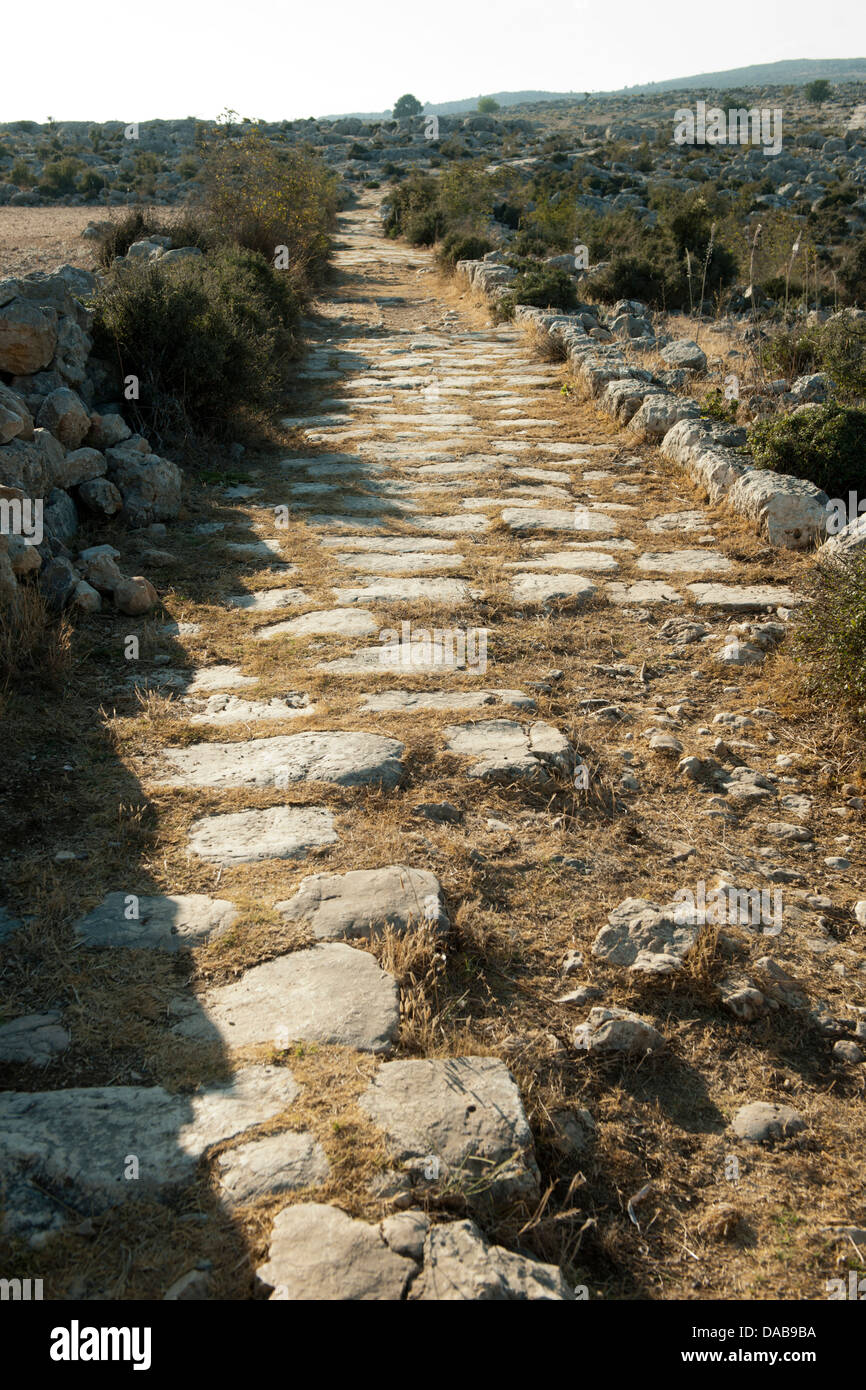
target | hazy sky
[{"x": 118, "y": 60}]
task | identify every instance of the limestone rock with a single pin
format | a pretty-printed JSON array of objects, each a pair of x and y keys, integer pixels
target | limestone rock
[
  {"x": 163, "y": 922},
  {"x": 763, "y": 1120},
  {"x": 324, "y": 994},
  {"x": 317, "y": 1253},
  {"x": 345, "y": 759},
  {"x": 356, "y": 904},
  {"x": 456, "y": 1120},
  {"x": 461, "y": 1265},
  {"x": 276, "y": 1163}
]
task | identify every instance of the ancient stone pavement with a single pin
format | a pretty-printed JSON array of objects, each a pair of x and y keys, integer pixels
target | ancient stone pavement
[{"x": 477, "y": 634}]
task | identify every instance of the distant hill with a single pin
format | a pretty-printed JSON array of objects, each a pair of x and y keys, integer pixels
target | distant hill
[{"x": 796, "y": 71}]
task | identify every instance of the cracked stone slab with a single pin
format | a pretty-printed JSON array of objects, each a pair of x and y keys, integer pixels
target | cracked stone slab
[
  {"x": 744, "y": 598},
  {"x": 643, "y": 591},
  {"x": 548, "y": 588},
  {"x": 328, "y": 994},
  {"x": 679, "y": 521},
  {"x": 345, "y": 759},
  {"x": 388, "y": 545},
  {"x": 265, "y": 600},
  {"x": 525, "y": 520},
  {"x": 228, "y": 709},
  {"x": 416, "y": 658},
  {"x": 328, "y": 622},
  {"x": 247, "y": 837},
  {"x": 360, "y": 903},
  {"x": 504, "y": 750},
  {"x": 458, "y": 1121},
  {"x": 409, "y": 590},
  {"x": 265, "y": 1167},
  {"x": 397, "y": 562},
  {"x": 75, "y": 1142},
  {"x": 164, "y": 922},
  {"x": 592, "y": 560},
  {"x": 33, "y": 1038},
  {"x": 398, "y": 701},
  {"x": 318, "y": 1253},
  {"x": 684, "y": 561},
  {"x": 465, "y": 524},
  {"x": 646, "y": 937},
  {"x": 460, "y": 1264}
]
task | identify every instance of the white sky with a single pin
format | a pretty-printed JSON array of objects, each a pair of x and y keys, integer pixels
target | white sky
[{"x": 123, "y": 60}]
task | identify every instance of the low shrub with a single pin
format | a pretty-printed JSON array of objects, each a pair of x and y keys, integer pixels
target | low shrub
[
  {"x": 261, "y": 197},
  {"x": 205, "y": 337},
  {"x": 456, "y": 248},
  {"x": 822, "y": 444},
  {"x": 544, "y": 286}
]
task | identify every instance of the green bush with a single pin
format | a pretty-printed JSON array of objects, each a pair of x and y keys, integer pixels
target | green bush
[
  {"x": 59, "y": 176},
  {"x": 830, "y": 636},
  {"x": 456, "y": 248},
  {"x": 414, "y": 212},
  {"x": 824, "y": 445},
  {"x": 544, "y": 286},
  {"x": 204, "y": 337},
  {"x": 837, "y": 348}
]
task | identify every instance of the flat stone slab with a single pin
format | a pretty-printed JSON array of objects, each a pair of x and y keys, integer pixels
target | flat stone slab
[
  {"x": 595, "y": 561},
  {"x": 461, "y": 1265},
  {"x": 646, "y": 937},
  {"x": 463, "y": 524},
  {"x": 247, "y": 837},
  {"x": 684, "y": 561},
  {"x": 265, "y": 600},
  {"x": 504, "y": 750},
  {"x": 33, "y": 1038},
  {"x": 397, "y": 562},
  {"x": 318, "y": 1253},
  {"x": 679, "y": 521},
  {"x": 745, "y": 598},
  {"x": 399, "y": 701},
  {"x": 360, "y": 903},
  {"x": 548, "y": 588},
  {"x": 267, "y": 549},
  {"x": 463, "y": 1113},
  {"x": 408, "y": 590},
  {"x": 328, "y": 994},
  {"x": 210, "y": 678},
  {"x": 409, "y": 659},
  {"x": 265, "y": 1167},
  {"x": 74, "y": 1142},
  {"x": 345, "y": 759},
  {"x": 525, "y": 520},
  {"x": 388, "y": 545},
  {"x": 328, "y": 622},
  {"x": 229, "y": 709},
  {"x": 643, "y": 591},
  {"x": 165, "y": 922}
]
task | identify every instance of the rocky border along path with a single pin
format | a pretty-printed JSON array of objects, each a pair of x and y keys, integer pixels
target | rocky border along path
[{"x": 444, "y": 484}]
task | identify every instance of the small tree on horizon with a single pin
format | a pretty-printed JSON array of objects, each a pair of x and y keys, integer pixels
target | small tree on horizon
[
  {"x": 487, "y": 105},
  {"x": 407, "y": 106},
  {"x": 819, "y": 90}
]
